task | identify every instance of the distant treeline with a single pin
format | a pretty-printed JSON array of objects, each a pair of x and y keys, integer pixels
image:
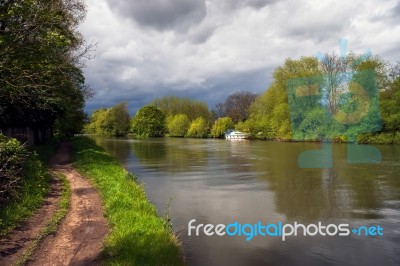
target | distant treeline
[
  {"x": 336, "y": 98},
  {"x": 177, "y": 117}
]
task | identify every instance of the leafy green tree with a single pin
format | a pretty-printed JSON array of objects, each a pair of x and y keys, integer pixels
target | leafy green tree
[
  {"x": 149, "y": 121},
  {"x": 269, "y": 114},
  {"x": 95, "y": 121},
  {"x": 114, "y": 121},
  {"x": 41, "y": 57},
  {"x": 220, "y": 126},
  {"x": 198, "y": 128},
  {"x": 390, "y": 106},
  {"x": 178, "y": 125},
  {"x": 172, "y": 105},
  {"x": 118, "y": 120}
]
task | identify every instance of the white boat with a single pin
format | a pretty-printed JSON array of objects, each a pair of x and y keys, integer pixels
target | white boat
[{"x": 234, "y": 134}]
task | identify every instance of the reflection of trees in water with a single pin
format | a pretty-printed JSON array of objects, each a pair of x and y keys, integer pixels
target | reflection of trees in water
[
  {"x": 299, "y": 193},
  {"x": 229, "y": 159},
  {"x": 171, "y": 155},
  {"x": 347, "y": 190},
  {"x": 360, "y": 192},
  {"x": 149, "y": 150},
  {"x": 115, "y": 146},
  {"x": 331, "y": 177}
]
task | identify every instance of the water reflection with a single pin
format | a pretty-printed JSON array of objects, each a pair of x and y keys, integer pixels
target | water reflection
[{"x": 218, "y": 181}]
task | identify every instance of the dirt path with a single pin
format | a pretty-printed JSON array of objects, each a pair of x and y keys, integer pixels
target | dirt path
[
  {"x": 12, "y": 247},
  {"x": 78, "y": 240}
]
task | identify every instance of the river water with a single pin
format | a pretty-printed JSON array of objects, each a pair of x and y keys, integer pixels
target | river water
[{"x": 221, "y": 182}]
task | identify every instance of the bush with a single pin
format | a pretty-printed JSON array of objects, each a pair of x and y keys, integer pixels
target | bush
[{"x": 12, "y": 158}]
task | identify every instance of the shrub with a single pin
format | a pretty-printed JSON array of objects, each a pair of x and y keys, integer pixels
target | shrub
[{"x": 12, "y": 158}]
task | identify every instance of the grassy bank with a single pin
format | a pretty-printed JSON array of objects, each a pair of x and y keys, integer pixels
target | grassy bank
[
  {"x": 31, "y": 191},
  {"x": 138, "y": 236}
]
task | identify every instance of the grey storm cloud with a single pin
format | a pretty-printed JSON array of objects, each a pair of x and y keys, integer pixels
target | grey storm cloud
[
  {"x": 394, "y": 13},
  {"x": 244, "y": 3},
  {"x": 161, "y": 14},
  {"x": 391, "y": 15}
]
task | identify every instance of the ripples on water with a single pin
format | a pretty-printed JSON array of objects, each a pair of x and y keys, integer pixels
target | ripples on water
[{"x": 219, "y": 181}]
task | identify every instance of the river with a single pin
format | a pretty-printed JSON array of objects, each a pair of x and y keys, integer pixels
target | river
[{"x": 221, "y": 182}]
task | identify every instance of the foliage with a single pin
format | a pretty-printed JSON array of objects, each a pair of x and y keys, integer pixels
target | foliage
[
  {"x": 236, "y": 106},
  {"x": 198, "y": 128},
  {"x": 41, "y": 57},
  {"x": 95, "y": 122},
  {"x": 325, "y": 103},
  {"x": 380, "y": 138},
  {"x": 12, "y": 158},
  {"x": 32, "y": 186},
  {"x": 178, "y": 125},
  {"x": 149, "y": 121},
  {"x": 138, "y": 236},
  {"x": 390, "y": 106},
  {"x": 109, "y": 122},
  {"x": 172, "y": 105},
  {"x": 269, "y": 114},
  {"x": 220, "y": 126}
]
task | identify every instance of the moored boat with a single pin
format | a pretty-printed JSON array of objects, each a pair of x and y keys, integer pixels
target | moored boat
[{"x": 234, "y": 134}]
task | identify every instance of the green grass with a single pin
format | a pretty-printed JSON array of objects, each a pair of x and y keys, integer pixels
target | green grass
[
  {"x": 138, "y": 236},
  {"x": 31, "y": 192},
  {"x": 52, "y": 224}
]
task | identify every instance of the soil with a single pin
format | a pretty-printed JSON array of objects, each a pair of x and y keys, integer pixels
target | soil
[{"x": 78, "y": 240}]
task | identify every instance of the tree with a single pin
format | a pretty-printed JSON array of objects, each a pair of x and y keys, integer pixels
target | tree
[
  {"x": 334, "y": 69},
  {"x": 41, "y": 57},
  {"x": 114, "y": 121},
  {"x": 149, "y": 121},
  {"x": 390, "y": 105},
  {"x": 95, "y": 121},
  {"x": 221, "y": 126},
  {"x": 172, "y": 105},
  {"x": 236, "y": 106},
  {"x": 219, "y": 110},
  {"x": 118, "y": 120},
  {"x": 178, "y": 125},
  {"x": 198, "y": 128},
  {"x": 270, "y": 116}
]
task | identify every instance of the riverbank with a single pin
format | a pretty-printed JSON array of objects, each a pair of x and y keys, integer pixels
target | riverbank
[
  {"x": 138, "y": 236},
  {"x": 378, "y": 138}
]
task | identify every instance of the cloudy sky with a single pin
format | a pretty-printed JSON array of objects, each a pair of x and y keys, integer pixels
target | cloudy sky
[{"x": 208, "y": 49}]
